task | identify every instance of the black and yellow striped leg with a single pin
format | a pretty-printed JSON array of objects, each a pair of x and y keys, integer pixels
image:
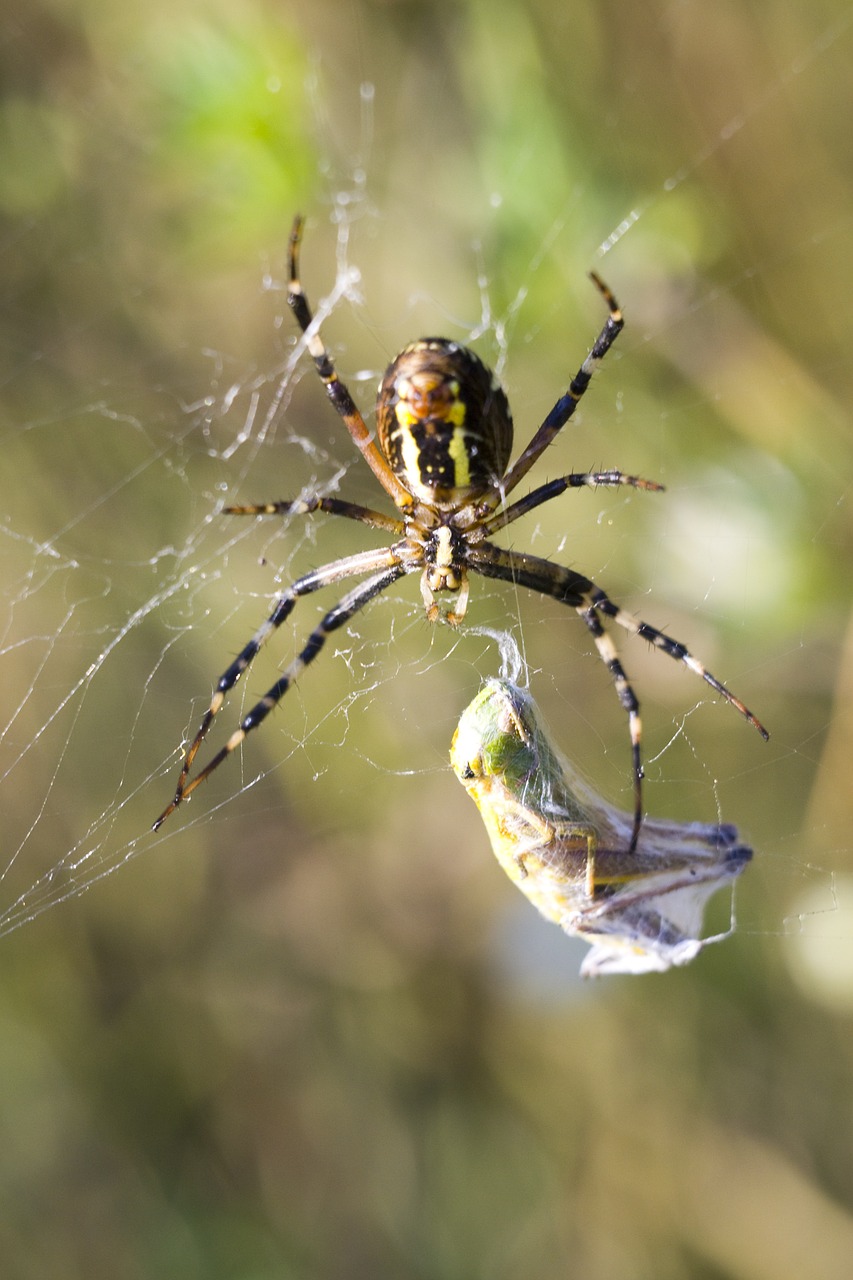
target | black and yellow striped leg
[
  {"x": 628, "y": 699},
  {"x": 566, "y": 405},
  {"x": 553, "y": 489},
  {"x": 589, "y": 600},
  {"x": 673, "y": 649},
  {"x": 385, "y": 560},
  {"x": 330, "y": 506},
  {"x": 336, "y": 390}
]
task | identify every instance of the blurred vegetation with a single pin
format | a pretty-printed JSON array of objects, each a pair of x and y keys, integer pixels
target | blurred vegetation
[{"x": 313, "y": 1034}]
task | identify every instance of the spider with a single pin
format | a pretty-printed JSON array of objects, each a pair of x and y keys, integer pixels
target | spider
[{"x": 442, "y": 454}]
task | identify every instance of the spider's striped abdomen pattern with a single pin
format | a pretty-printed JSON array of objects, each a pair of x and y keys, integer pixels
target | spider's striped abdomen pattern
[
  {"x": 444, "y": 433},
  {"x": 443, "y": 423}
]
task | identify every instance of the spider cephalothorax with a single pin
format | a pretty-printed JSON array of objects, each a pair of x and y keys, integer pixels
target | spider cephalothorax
[{"x": 442, "y": 451}]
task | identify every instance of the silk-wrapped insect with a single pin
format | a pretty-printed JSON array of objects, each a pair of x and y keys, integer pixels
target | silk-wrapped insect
[{"x": 570, "y": 852}]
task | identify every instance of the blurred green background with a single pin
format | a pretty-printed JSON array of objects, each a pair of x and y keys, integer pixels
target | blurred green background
[{"x": 311, "y": 1032}]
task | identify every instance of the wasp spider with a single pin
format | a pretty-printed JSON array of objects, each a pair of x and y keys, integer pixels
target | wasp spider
[{"x": 442, "y": 454}]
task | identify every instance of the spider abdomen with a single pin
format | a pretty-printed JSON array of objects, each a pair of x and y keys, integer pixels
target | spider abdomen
[{"x": 443, "y": 422}]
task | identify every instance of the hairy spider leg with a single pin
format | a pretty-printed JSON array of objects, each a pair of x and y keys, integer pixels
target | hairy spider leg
[
  {"x": 385, "y": 559},
  {"x": 582, "y": 594}
]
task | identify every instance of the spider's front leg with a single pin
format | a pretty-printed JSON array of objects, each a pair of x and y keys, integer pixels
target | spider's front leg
[
  {"x": 389, "y": 567},
  {"x": 590, "y": 601}
]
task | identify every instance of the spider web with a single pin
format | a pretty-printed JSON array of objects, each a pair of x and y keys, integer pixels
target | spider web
[
  {"x": 127, "y": 591},
  {"x": 308, "y": 1027}
]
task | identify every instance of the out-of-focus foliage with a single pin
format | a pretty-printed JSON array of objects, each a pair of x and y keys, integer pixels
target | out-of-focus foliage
[{"x": 305, "y": 1037}]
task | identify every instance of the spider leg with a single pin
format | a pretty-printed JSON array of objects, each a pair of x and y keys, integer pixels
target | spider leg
[
  {"x": 386, "y": 560},
  {"x": 628, "y": 699},
  {"x": 566, "y": 405},
  {"x": 553, "y": 489},
  {"x": 336, "y": 390},
  {"x": 331, "y": 506},
  {"x": 582, "y": 594}
]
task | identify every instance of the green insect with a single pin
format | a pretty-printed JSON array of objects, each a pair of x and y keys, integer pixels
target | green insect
[{"x": 571, "y": 853}]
